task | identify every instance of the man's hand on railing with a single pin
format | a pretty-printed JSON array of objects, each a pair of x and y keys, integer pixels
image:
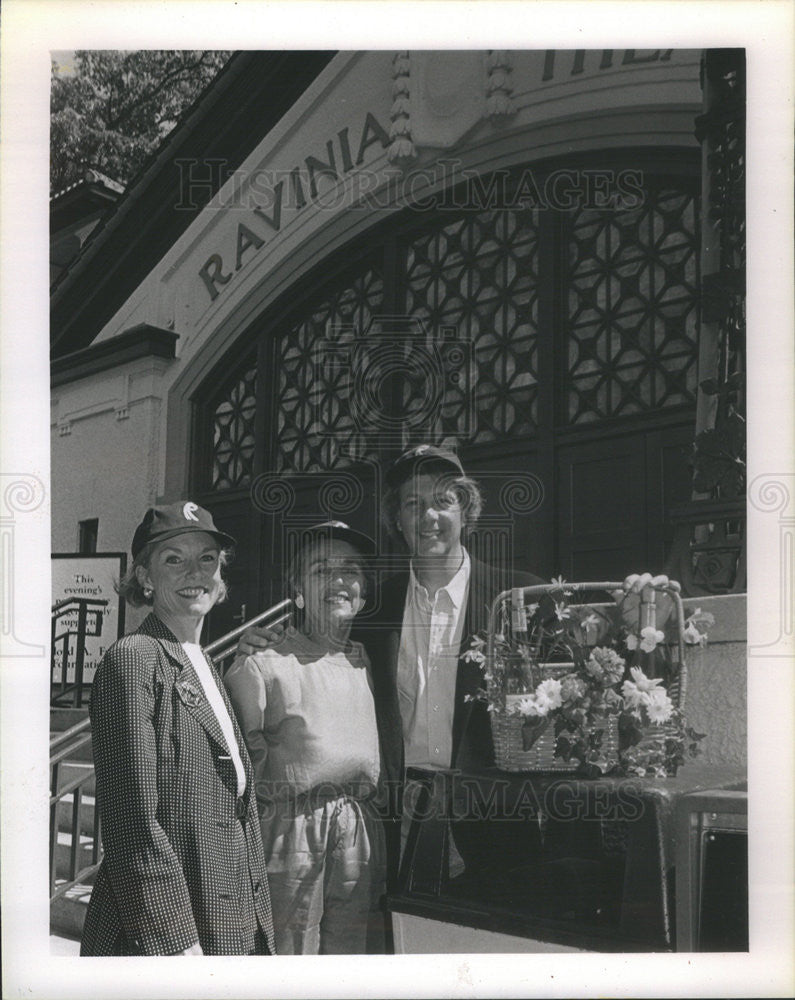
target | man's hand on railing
[{"x": 258, "y": 638}]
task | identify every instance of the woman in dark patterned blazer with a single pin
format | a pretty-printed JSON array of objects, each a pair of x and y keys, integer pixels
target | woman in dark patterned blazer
[{"x": 183, "y": 871}]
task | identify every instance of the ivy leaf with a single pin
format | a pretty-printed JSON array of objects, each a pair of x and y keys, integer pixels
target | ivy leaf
[
  {"x": 719, "y": 458},
  {"x": 709, "y": 386}
]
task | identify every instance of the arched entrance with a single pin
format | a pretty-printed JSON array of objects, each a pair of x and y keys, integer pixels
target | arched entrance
[{"x": 543, "y": 321}]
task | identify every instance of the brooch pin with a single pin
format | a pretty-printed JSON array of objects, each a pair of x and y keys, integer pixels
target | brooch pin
[{"x": 188, "y": 693}]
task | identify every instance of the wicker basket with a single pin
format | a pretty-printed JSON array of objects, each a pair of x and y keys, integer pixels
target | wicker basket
[
  {"x": 510, "y": 755},
  {"x": 506, "y": 727}
]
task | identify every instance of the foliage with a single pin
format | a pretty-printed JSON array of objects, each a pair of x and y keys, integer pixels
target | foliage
[
  {"x": 568, "y": 667},
  {"x": 719, "y": 452},
  {"x": 118, "y": 106}
]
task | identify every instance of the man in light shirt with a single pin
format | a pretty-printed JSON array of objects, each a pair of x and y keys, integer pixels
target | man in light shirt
[{"x": 423, "y": 625}]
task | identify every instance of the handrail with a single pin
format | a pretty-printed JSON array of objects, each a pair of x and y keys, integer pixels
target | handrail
[
  {"x": 222, "y": 647},
  {"x": 84, "y": 607},
  {"x": 68, "y": 734},
  {"x": 60, "y": 605},
  {"x": 62, "y": 747},
  {"x": 65, "y": 752}
]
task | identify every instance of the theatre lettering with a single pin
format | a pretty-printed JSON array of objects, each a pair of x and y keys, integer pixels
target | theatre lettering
[{"x": 267, "y": 196}]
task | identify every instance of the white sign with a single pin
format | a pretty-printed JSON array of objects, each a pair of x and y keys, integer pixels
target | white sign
[{"x": 84, "y": 599}]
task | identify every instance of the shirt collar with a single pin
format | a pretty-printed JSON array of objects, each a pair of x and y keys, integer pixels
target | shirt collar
[{"x": 456, "y": 589}]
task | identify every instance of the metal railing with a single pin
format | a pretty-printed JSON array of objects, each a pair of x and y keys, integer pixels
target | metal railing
[
  {"x": 62, "y": 748},
  {"x": 85, "y": 606},
  {"x": 221, "y": 649}
]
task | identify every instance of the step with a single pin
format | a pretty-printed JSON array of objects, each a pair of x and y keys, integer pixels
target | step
[{"x": 68, "y": 913}]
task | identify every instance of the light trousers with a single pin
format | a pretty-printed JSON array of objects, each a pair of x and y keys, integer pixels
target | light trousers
[{"x": 326, "y": 869}]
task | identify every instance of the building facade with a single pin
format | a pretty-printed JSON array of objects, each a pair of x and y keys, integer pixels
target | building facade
[{"x": 496, "y": 251}]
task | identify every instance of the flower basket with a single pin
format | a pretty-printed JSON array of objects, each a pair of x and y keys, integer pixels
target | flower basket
[
  {"x": 592, "y": 689},
  {"x": 509, "y": 744}
]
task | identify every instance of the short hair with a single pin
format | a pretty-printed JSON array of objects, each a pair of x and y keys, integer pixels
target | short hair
[
  {"x": 470, "y": 499},
  {"x": 130, "y": 588}
]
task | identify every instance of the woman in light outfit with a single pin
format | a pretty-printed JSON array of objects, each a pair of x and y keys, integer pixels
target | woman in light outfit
[
  {"x": 183, "y": 871},
  {"x": 305, "y": 706}
]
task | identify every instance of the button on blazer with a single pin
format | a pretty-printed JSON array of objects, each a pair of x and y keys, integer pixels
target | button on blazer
[{"x": 183, "y": 857}]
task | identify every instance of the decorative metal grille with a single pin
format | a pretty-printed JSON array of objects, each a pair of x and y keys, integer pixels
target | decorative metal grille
[
  {"x": 316, "y": 426},
  {"x": 632, "y": 306},
  {"x": 233, "y": 432},
  {"x": 627, "y": 329},
  {"x": 477, "y": 278}
]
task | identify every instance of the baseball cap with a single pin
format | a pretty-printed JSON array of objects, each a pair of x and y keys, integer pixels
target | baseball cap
[
  {"x": 413, "y": 460},
  {"x": 172, "y": 519},
  {"x": 338, "y": 529}
]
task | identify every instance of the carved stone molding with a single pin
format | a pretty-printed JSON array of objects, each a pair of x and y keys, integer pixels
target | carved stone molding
[{"x": 401, "y": 148}]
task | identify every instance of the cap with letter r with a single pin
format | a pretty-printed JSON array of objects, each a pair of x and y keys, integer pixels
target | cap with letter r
[
  {"x": 415, "y": 460},
  {"x": 169, "y": 520},
  {"x": 339, "y": 529}
]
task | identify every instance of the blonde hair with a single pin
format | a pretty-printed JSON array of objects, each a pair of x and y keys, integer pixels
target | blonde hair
[{"x": 131, "y": 589}]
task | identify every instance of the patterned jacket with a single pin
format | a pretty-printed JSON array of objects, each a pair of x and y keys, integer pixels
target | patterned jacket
[{"x": 183, "y": 857}]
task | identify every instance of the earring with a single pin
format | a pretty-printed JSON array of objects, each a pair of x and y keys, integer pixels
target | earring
[
  {"x": 299, "y": 601},
  {"x": 148, "y": 592}
]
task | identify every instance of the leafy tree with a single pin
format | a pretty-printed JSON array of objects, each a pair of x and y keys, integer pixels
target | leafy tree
[{"x": 118, "y": 106}]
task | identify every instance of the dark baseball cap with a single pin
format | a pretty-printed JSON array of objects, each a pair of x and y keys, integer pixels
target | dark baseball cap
[
  {"x": 172, "y": 519},
  {"x": 413, "y": 461},
  {"x": 338, "y": 529}
]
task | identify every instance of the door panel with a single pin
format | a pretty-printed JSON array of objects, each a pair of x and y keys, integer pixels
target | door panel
[
  {"x": 614, "y": 501},
  {"x": 601, "y": 512},
  {"x": 235, "y": 516}
]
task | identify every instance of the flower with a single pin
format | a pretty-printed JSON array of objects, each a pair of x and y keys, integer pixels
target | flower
[
  {"x": 694, "y": 635},
  {"x": 571, "y": 688},
  {"x": 659, "y": 707},
  {"x": 548, "y": 694},
  {"x": 528, "y": 706},
  {"x": 545, "y": 699},
  {"x": 642, "y": 682},
  {"x": 606, "y": 665},
  {"x": 649, "y": 638}
]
